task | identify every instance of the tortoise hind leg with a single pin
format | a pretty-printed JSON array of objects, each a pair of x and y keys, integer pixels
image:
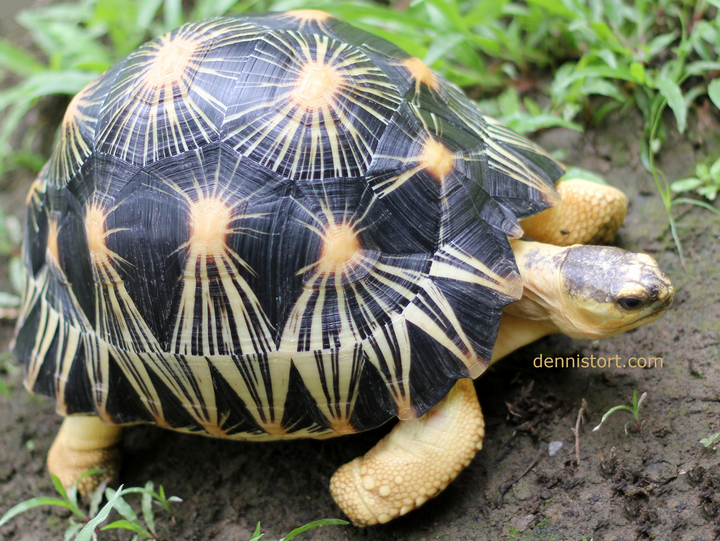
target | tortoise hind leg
[
  {"x": 414, "y": 462},
  {"x": 85, "y": 442}
]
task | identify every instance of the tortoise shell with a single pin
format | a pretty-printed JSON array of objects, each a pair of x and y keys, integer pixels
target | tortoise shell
[{"x": 271, "y": 226}]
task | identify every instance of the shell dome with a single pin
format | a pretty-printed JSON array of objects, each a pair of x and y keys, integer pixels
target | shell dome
[{"x": 271, "y": 226}]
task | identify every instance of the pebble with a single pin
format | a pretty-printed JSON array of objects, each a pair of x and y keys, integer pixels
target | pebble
[
  {"x": 521, "y": 524},
  {"x": 554, "y": 447}
]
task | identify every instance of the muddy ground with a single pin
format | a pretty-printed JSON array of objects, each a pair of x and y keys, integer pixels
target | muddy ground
[{"x": 660, "y": 483}]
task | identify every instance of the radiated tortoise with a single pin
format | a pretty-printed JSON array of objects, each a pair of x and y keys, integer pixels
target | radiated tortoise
[{"x": 280, "y": 226}]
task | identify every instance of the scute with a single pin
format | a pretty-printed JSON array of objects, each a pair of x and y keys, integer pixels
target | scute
[{"x": 267, "y": 227}]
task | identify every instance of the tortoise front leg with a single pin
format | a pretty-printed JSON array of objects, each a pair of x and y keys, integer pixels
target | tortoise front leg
[
  {"x": 85, "y": 442},
  {"x": 414, "y": 462},
  {"x": 589, "y": 213}
]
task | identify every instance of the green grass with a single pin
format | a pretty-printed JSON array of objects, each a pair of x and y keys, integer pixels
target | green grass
[
  {"x": 85, "y": 525},
  {"x": 634, "y": 410},
  {"x": 534, "y": 64}
]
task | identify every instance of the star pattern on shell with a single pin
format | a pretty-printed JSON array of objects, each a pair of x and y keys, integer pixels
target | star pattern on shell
[{"x": 271, "y": 227}]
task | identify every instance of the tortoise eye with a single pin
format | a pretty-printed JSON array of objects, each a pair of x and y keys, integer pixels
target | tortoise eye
[{"x": 630, "y": 303}]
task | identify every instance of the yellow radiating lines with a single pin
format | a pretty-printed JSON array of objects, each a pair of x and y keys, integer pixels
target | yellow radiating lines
[
  {"x": 388, "y": 348},
  {"x": 445, "y": 265},
  {"x": 117, "y": 319},
  {"x": 317, "y": 108},
  {"x": 219, "y": 314},
  {"x": 154, "y": 113},
  {"x": 73, "y": 148},
  {"x": 60, "y": 325}
]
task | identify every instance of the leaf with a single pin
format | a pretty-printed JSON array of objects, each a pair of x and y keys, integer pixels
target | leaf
[
  {"x": 595, "y": 71},
  {"x": 603, "y": 87},
  {"x": 715, "y": 172},
  {"x": 710, "y": 440},
  {"x": 313, "y": 525},
  {"x": 122, "y": 507},
  {"x": 485, "y": 12},
  {"x": 126, "y": 525},
  {"x": 661, "y": 42},
  {"x": 636, "y": 405},
  {"x": 256, "y": 535},
  {"x": 702, "y": 204},
  {"x": 7, "y": 300},
  {"x": 87, "y": 532},
  {"x": 59, "y": 486},
  {"x": 610, "y": 412},
  {"x": 714, "y": 92},
  {"x": 605, "y": 34},
  {"x": 686, "y": 184},
  {"x": 524, "y": 123},
  {"x": 96, "y": 498},
  {"x": 701, "y": 66},
  {"x": 16, "y": 272},
  {"x": 173, "y": 14},
  {"x": 17, "y": 60},
  {"x": 638, "y": 71},
  {"x": 146, "y": 505},
  {"x": 672, "y": 93},
  {"x": 36, "y": 502},
  {"x": 72, "y": 530},
  {"x": 555, "y": 6},
  {"x": 441, "y": 46},
  {"x": 451, "y": 13},
  {"x": 147, "y": 11}
]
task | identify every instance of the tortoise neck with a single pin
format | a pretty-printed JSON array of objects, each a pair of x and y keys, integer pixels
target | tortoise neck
[
  {"x": 516, "y": 332},
  {"x": 539, "y": 266}
]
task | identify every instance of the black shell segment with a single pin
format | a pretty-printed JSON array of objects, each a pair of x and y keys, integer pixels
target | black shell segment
[{"x": 271, "y": 226}]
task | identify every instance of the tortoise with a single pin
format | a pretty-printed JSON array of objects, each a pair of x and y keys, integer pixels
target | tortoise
[{"x": 279, "y": 226}]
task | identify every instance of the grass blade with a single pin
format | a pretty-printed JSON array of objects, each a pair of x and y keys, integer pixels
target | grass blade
[
  {"x": 87, "y": 532},
  {"x": 37, "y": 502},
  {"x": 17, "y": 60},
  {"x": 672, "y": 93},
  {"x": 313, "y": 525}
]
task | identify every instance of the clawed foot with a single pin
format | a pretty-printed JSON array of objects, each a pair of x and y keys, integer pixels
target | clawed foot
[{"x": 85, "y": 443}]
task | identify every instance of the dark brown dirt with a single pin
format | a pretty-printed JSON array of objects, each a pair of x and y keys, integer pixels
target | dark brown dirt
[{"x": 660, "y": 483}]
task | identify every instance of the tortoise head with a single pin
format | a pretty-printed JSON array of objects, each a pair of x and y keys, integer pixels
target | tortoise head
[
  {"x": 590, "y": 292},
  {"x": 607, "y": 291}
]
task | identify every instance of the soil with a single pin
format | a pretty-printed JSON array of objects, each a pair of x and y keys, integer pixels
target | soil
[{"x": 658, "y": 483}]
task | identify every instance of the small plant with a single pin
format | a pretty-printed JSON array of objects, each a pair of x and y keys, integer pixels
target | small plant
[
  {"x": 711, "y": 441},
  {"x": 6, "y": 366},
  {"x": 89, "y": 523},
  {"x": 634, "y": 411},
  {"x": 297, "y": 531},
  {"x": 706, "y": 181}
]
